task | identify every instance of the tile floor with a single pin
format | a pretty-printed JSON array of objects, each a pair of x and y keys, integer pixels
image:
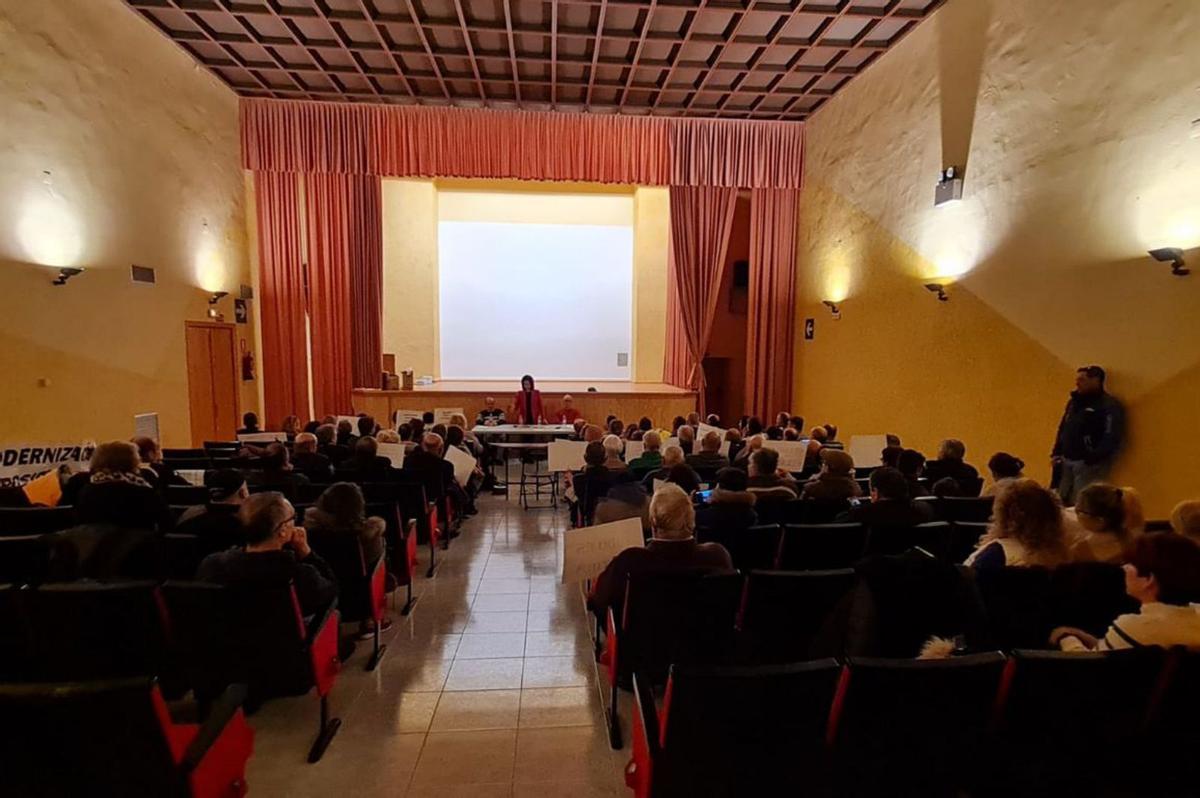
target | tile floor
[{"x": 488, "y": 688}]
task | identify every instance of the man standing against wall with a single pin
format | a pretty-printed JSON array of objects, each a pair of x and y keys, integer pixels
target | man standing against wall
[{"x": 1089, "y": 435}]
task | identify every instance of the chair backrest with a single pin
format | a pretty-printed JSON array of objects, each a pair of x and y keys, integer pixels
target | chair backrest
[
  {"x": 780, "y": 511},
  {"x": 24, "y": 559},
  {"x": 745, "y": 731},
  {"x": 87, "y": 738},
  {"x": 1017, "y": 602},
  {"x": 677, "y": 618},
  {"x": 750, "y": 548},
  {"x": 976, "y": 509},
  {"x": 227, "y": 635},
  {"x": 184, "y": 454},
  {"x": 936, "y": 537},
  {"x": 198, "y": 463},
  {"x": 915, "y": 727},
  {"x": 187, "y": 494},
  {"x": 784, "y": 612},
  {"x": 89, "y": 630},
  {"x": 820, "y": 547},
  {"x": 1085, "y": 705},
  {"x": 1089, "y": 596},
  {"x": 35, "y": 520},
  {"x": 972, "y": 487},
  {"x": 964, "y": 539},
  {"x": 310, "y": 493},
  {"x": 821, "y": 511},
  {"x": 344, "y": 553}
]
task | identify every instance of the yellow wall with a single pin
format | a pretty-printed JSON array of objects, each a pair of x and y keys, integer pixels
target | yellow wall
[
  {"x": 142, "y": 150},
  {"x": 1073, "y": 121},
  {"x": 411, "y": 209}
]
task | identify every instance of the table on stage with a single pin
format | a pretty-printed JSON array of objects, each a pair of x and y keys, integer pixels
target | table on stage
[{"x": 523, "y": 430}]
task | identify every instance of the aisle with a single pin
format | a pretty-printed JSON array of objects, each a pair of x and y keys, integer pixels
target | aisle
[{"x": 488, "y": 689}]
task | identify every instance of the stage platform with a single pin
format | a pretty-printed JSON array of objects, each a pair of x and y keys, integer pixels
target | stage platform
[{"x": 629, "y": 401}]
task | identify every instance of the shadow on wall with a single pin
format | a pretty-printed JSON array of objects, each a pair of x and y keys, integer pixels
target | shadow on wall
[{"x": 962, "y": 40}]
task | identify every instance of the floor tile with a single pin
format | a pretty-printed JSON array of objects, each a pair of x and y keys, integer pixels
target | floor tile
[
  {"x": 491, "y": 645},
  {"x": 559, "y": 706},
  {"x": 471, "y": 757},
  {"x": 555, "y": 644},
  {"x": 496, "y": 622},
  {"x": 477, "y": 710},
  {"x": 501, "y": 602},
  {"x": 485, "y": 674},
  {"x": 556, "y": 672},
  {"x": 579, "y": 753}
]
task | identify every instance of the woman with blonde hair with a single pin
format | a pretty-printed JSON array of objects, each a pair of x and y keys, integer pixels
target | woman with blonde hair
[
  {"x": 1104, "y": 522},
  {"x": 1027, "y": 529}
]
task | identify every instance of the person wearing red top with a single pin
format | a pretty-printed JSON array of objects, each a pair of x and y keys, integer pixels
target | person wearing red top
[
  {"x": 527, "y": 404},
  {"x": 567, "y": 414}
]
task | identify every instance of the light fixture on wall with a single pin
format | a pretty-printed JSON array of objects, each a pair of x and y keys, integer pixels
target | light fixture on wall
[
  {"x": 940, "y": 290},
  {"x": 1174, "y": 256},
  {"x": 217, "y": 296},
  {"x": 949, "y": 186},
  {"x": 66, "y": 273},
  {"x": 833, "y": 308}
]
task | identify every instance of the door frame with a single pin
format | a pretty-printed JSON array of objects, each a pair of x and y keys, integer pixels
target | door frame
[{"x": 237, "y": 399}]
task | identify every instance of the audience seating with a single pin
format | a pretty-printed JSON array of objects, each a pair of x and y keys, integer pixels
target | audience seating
[
  {"x": 88, "y": 630},
  {"x": 784, "y": 613},
  {"x": 35, "y": 520},
  {"x": 414, "y": 506},
  {"x": 733, "y": 731},
  {"x": 1069, "y": 720},
  {"x": 818, "y": 547},
  {"x": 184, "y": 454},
  {"x": 183, "y": 554},
  {"x": 116, "y": 738},
  {"x": 257, "y": 637},
  {"x": 750, "y": 548},
  {"x": 914, "y": 727},
  {"x": 962, "y": 508},
  {"x": 189, "y": 463},
  {"x": 667, "y": 620},
  {"x": 24, "y": 559},
  {"x": 362, "y": 585},
  {"x": 964, "y": 539},
  {"x": 189, "y": 495}
]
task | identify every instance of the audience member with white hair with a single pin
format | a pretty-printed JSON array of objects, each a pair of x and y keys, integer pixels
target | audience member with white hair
[
  {"x": 613, "y": 447},
  {"x": 672, "y": 456},
  {"x": 490, "y": 415},
  {"x": 567, "y": 414},
  {"x": 709, "y": 457},
  {"x": 310, "y": 462},
  {"x": 651, "y": 458},
  {"x": 687, "y": 438},
  {"x": 672, "y": 549}
]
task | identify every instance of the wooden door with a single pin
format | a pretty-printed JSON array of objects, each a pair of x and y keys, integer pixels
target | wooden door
[{"x": 212, "y": 381}]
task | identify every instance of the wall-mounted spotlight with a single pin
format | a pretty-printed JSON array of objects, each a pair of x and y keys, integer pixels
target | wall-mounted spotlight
[
  {"x": 217, "y": 296},
  {"x": 66, "y": 273},
  {"x": 833, "y": 308},
  {"x": 1174, "y": 255},
  {"x": 940, "y": 290},
  {"x": 949, "y": 186}
]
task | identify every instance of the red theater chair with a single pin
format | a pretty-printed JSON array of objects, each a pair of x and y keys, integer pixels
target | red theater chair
[{"x": 362, "y": 585}]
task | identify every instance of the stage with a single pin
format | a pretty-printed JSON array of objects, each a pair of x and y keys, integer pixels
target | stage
[{"x": 629, "y": 401}]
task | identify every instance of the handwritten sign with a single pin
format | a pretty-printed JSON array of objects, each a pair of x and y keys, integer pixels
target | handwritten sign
[
  {"x": 565, "y": 455},
  {"x": 405, "y": 416},
  {"x": 867, "y": 450},
  {"x": 193, "y": 476},
  {"x": 262, "y": 437},
  {"x": 464, "y": 464},
  {"x": 704, "y": 429},
  {"x": 442, "y": 415},
  {"x": 588, "y": 550},
  {"x": 634, "y": 450},
  {"x": 394, "y": 452},
  {"x": 791, "y": 453}
]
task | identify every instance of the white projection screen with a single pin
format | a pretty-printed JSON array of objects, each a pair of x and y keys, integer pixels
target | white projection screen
[{"x": 537, "y": 284}]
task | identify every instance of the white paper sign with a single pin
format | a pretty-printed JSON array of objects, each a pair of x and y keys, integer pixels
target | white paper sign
[
  {"x": 262, "y": 437},
  {"x": 704, "y": 429},
  {"x": 565, "y": 456},
  {"x": 23, "y": 462},
  {"x": 405, "y": 416},
  {"x": 193, "y": 476},
  {"x": 670, "y": 442},
  {"x": 634, "y": 450},
  {"x": 867, "y": 450},
  {"x": 393, "y": 452},
  {"x": 441, "y": 415},
  {"x": 464, "y": 464},
  {"x": 588, "y": 550},
  {"x": 791, "y": 453},
  {"x": 145, "y": 425},
  {"x": 353, "y": 422},
  {"x": 724, "y": 449}
]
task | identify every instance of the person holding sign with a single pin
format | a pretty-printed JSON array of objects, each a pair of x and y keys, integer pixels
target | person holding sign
[
  {"x": 527, "y": 404},
  {"x": 672, "y": 549}
]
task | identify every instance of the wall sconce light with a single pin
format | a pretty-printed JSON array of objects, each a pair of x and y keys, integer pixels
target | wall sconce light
[
  {"x": 66, "y": 273},
  {"x": 949, "y": 186},
  {"x": 833, "y": 308},
  {"x": 1174, "y": 255},
  {"x": 217, "y": 296},
  {"x": 940, "y": 290}
]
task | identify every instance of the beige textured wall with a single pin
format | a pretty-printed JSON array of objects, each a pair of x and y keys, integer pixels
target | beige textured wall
[
  {"x": 1073, "y": 118},
  {"x": 410, "y": 266},
  {"x": 142, "y": 150}
]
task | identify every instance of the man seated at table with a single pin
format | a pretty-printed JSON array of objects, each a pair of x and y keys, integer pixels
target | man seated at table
[
  {"x": 672, "y": 549},
  {"x": 490, "y": 415},
  {"x": 567, "y": 414},
  {"x": 709, "y": 458}
]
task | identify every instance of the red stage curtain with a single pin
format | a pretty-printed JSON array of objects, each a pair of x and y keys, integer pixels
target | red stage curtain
[
  {"x": 328, "y": 222},
  {"x": 701, "y": 218},
  {"x": 366, "y": 280},
  {"x": 677, "y": 364},
  {"x": 394, "y": 141},
  {"x": 770, "y": 329},
  {"x": 281, "y": 294}
]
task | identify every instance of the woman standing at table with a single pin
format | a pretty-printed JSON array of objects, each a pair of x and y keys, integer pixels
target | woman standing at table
[{"x": 527, "y": 406}]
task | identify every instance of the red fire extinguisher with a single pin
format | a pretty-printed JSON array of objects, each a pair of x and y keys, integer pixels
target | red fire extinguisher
[{"x": 247, "y": 362}]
